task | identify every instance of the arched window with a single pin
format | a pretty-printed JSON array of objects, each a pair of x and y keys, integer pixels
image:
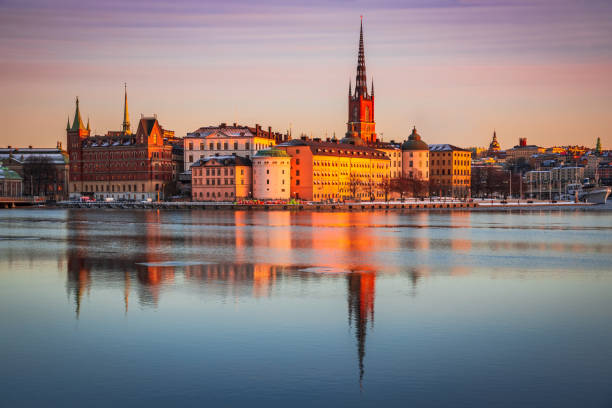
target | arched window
[{"x": 367, "y": 113}]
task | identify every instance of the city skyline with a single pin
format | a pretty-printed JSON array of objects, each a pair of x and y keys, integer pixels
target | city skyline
[{"x": 524, "y": 65}]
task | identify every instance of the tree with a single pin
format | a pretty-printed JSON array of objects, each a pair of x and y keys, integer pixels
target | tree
[
  {"x": 40, "y": 176},
  {"x": 386, "y": 186},
  {"x": 354, "y": 186}
]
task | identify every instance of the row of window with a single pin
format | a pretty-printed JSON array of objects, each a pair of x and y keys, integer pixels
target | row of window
[
  {"x": 111, "y": 188},
  {"x": 209, "y": 194},
  {"x": 226, "y": 146}
]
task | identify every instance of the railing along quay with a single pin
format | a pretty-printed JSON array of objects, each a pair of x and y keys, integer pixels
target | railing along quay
[{"x": 350, "y": 206}]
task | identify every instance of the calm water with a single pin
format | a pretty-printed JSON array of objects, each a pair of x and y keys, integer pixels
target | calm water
[{"x": 103, "y": 307}]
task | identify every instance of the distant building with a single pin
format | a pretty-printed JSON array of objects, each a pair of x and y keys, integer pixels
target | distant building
[
  {"x": 523, "y": 150},
  {"x": 494, "y": 147},
  {"x": 415, "y": 158},
  {"x": 336, "y": 170},
  {"x": 121, "y": 164},
  {"x": 449, "y": 170},
  {"x": 44, "y": 170},
  {"x": 221, "y": 178},
  {"x": 271, "y": 175},
  {"x": 11, "y": 183},
  {"x": 225, "y": 140}
]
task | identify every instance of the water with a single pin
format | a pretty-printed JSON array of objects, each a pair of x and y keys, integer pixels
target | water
[{"x": 109, "y": 307}]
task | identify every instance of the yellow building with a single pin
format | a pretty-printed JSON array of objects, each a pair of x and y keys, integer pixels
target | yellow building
[
  {"x": 450, "y": 170},
  {"x": 336, "y": 171}
]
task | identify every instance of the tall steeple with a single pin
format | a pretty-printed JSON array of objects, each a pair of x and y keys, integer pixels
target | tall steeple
[
  {"x": 78, "y": 123},
  {"x": 361, "y": 126},
  {"x": 361, "y": 84},
  {"x": 68, "y": 124},
  {"x": 126, "y": 117}
]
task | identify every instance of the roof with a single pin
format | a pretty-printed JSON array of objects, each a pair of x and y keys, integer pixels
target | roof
[
  {"x": 414, "y": 142},
  {"x": 56, "y": 156},
  {"x": 223, "y": 161},
  {"x": 335, "y": 149},
  {"x": 446, "y": 148},
  {"x": 6, "y": 174},
  {"x": 272, "y": 153}
]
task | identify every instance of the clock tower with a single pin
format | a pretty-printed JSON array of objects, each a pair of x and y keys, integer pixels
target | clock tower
[{"x": 361, "y": 123}]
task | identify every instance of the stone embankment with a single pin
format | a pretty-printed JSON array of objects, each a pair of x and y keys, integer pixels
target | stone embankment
[{"x": 348, "y": 206}]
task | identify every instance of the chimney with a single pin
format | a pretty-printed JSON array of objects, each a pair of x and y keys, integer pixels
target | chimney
[
  {"x": 234, "y": 124},
  {"x": 328, "y": 139},
  {"x": 270, "y": 131},
  {"x": 523, "y": 141},
  {"x": 30, "y": 146},
  {"x": 317, "y": 139}
]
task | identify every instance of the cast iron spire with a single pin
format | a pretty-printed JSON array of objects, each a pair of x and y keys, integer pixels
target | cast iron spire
[{"x": 361, "y": 85}]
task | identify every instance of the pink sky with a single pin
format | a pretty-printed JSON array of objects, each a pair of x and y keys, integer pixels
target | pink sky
[{"x": 455, "y": 69}]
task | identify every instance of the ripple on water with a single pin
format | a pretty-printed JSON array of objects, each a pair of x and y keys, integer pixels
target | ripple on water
[{"x": 173, "y": 263}]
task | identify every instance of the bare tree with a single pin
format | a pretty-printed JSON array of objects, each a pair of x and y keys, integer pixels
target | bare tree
[
  {"x": 40, "y": 176},
  {"x": 386, "y": 186}
]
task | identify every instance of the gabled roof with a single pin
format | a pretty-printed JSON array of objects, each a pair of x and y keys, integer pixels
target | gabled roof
[
  {"x": 446, "y": 148},
  {"x": 336, "y": 149},
  {"x": 223, "y": 161}
]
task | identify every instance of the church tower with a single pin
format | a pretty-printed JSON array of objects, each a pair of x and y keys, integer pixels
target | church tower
[
  {"x": 75, "y": 135},
  {"x": 361, "y": 125}
]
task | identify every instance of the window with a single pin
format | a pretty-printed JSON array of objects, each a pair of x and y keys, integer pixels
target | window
[
  {"x": 297, "y": 161},
  {"x": 235, "y": 145},
  {"x": 225, "y": 146},
  {"x": 268, "y": 171},
  {"x": 190, "y": 146},
  {"x": 297, "y": 172},
  {"x": 218, "y": 145},
  {"x": 297, "y": 182},
  {"x": 191, "y": 157},
  {"x": 267, "y": 181},
  {"x": 247, "y": 146},
  {"x": 242, "y": 172},
  {"x": 211, "y": 146}
]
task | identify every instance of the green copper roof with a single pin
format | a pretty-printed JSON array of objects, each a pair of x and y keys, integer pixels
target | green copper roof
[
  {"x": 272, "y": 153},
  {"x": 7, "y": 174},
  {"x": 78, "y": 123}
]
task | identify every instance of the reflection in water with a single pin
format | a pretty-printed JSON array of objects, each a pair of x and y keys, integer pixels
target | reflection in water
[{"x": 361, "y": 287}]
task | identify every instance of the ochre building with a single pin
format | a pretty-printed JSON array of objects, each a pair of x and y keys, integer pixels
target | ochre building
[
  {"x": 336, "y": 171},
  {"x": 450, "y": 170}
]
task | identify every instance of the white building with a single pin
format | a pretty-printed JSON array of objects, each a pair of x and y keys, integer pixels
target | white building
[
  {"x": 271, "y": 175},
  {"x": 415, "y": 158},
  {"x": 226, "y": 140}
]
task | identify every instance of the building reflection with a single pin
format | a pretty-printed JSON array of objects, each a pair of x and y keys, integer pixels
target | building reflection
[{"x": 361, "y": 287}]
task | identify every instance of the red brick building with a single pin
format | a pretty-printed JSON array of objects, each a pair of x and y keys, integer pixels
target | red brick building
[
  {"x": 120, "y": 165},
  {"x": 361, "y": 125}
]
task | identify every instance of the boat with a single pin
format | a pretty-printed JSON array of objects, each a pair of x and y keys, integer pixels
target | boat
[{"x": 595, "y": 195}]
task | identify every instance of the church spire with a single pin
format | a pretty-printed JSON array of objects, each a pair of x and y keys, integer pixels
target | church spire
[
  {"x": 88, "y": 128},
  {"x": 78, "y": 123},
  {"x": 350, "y": 87},
  {"x": 68, "y": 124},
  {"x": 126, "y": 117},
  {"x": 361, "y": 85}
]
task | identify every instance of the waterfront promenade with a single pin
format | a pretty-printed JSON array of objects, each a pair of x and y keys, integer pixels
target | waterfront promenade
[{"x": 411, "y": 204}]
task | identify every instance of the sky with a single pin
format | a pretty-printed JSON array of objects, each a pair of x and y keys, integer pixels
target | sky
[{"x": 455, "y": 69}]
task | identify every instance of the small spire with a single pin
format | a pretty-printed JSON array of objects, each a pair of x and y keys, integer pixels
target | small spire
[
  {"x": 126, "y": 117},
  {"x": 88, "y": 124},
  {"x": 350, "y": 86},
  {"x": 372, "y": 86},
  {"x": 78, "y": 123},
  {"x": 68, "y": 124}
]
